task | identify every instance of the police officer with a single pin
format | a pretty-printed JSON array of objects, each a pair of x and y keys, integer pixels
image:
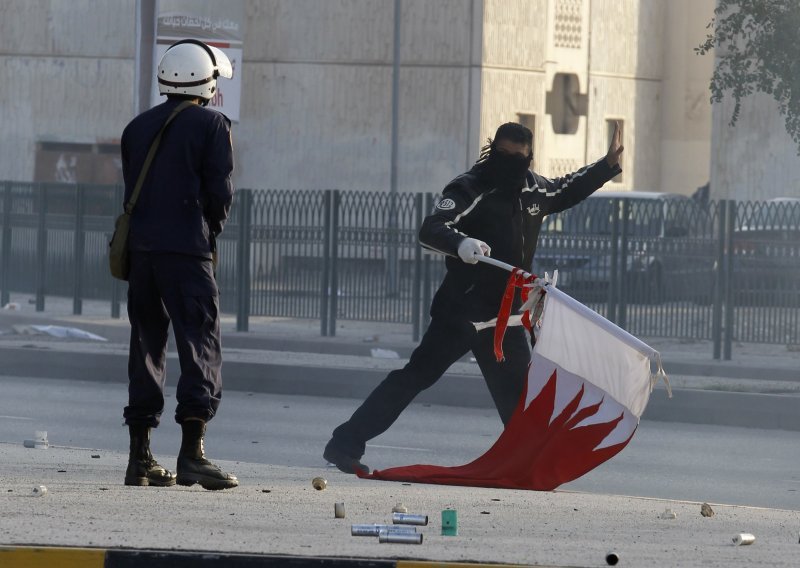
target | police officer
[
  {"x": 495, "y": 208},
  {"x": 182, "y": 208}
]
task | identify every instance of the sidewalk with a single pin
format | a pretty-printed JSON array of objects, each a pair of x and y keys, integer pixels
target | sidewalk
[
  {"x": 759, "y": 387},
  {"x": 277, "y": 512}
]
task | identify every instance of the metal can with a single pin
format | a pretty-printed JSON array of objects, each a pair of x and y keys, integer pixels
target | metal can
[
  {"x": 338, "y": 510},
  {"x": 408, "y": 519},
  {"x": 374, "y": 530},
  {"x": 396, "y": 537},
  {"x": 743, "y": 539},
  {"x": 399, "y": 508}
]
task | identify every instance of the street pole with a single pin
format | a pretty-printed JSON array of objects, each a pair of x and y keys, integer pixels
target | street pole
[
  {"x": 146, "y": 13},
  {"x": 392, "y": 256}
]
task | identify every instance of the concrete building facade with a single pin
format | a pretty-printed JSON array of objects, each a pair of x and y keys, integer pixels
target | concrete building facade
[{"x": 317, "y": 89}]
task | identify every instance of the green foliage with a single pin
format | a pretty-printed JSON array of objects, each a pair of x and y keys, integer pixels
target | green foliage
[{"x": 757, "y": 44}]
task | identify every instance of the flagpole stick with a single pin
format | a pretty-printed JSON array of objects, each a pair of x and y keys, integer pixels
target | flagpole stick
[{"x": 501, "y": 264}]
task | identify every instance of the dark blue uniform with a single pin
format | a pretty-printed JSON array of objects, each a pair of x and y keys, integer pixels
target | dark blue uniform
[{"x": 182, "y": 207}]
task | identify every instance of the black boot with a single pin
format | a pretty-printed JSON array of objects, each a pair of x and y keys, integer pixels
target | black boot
[
  {"x": 193, "y": 467},
  {"x": 142, "y": 468}
]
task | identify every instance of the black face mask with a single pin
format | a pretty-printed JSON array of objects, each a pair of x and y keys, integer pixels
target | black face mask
[{"x": 507, "y": 171}]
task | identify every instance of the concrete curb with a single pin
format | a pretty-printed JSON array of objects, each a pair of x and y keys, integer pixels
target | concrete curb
[{"x": 47, "y": 557}]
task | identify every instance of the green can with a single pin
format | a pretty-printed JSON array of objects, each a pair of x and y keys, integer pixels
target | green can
[{"x": 449, "y": 522}]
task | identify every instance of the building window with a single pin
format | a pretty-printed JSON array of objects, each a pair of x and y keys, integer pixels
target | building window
[
  {"x": 610, "y": 134},
  {"x": 565, "y": 104}
]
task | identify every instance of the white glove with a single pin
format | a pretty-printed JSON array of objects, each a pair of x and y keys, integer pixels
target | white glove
[{"x": 469, "y": 249}]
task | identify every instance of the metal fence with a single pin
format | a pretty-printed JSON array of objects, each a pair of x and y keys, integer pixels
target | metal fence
[{"x": 720, "y": 271}]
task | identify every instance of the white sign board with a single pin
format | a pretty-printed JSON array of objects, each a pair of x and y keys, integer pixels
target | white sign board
[{"x": 226, "y": 33}]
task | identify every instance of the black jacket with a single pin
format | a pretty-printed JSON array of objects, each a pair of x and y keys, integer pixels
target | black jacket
[
  {"x": 187, "y": 194},
  {"x": 508, "y": 221}
]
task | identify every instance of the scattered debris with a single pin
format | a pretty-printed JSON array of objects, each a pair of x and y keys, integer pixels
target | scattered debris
[
  {"x": 39, "y": 491},
  {"x": 371, "y": 339},
  {"x": 374, "y": 530},
  {"x": 399, "y": 508},
  {"x": 57, "y": 331},
  {"x": 254, "y": 441},
  {"x": 338, "y": 510},
  {"x": 104, "y": 489},
  {"x": 668, "y": 514},
  {"x": 96, "y": 456},
  {"x": 11, "y": 306},
  {"x": 395, "y": 537},
  {"x": 39, "y": 441},
  {"x": 743, "y": 539},
  {"x": 62, "y": 471},
  {"x": 612, "y": 558},
  {"x": 706, "y": 510},
  {"x": 384, "y": 353},
  {"x": 485, "y": 513},
  {"x": 408, "y": 519},
  {"x": 319, "y": 483},
  {"x": 266, "y": 491},
  {"x": 450, "y": 522}
]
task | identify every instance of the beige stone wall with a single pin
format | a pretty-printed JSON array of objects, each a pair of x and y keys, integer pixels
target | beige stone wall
[
  {"x": 686, "y": 106},
  {"x": 756, "y": 159},
  {"x": 316, "y": 90},
  {"x": 67, "y": 71},
  {"x": 626, "y": 83},
  {"x": 316, "y": 109}
]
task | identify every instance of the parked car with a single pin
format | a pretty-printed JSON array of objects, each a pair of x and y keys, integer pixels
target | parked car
[
  {"x": 766, "y": 253},
  {"x": 665, "y": 246}
]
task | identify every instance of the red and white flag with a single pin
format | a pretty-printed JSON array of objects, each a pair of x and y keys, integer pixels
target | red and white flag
[{"x": 588, "y": 384}]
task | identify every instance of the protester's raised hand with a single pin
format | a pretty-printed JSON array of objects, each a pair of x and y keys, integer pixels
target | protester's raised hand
[{"x": 616, "y": 147}]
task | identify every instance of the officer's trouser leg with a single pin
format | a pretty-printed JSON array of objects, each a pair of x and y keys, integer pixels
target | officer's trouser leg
[
  {"x": 148, "y": 345},
  {"x": 194, "y": 311},
  {"x": 506, "y": 380},
  {"x": 443, "y": 344}
]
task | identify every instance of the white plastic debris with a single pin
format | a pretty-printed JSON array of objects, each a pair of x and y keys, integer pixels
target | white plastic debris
[
  {"x": 39, "y": 491},
  {"x": 39, "y": 441},
  {"x": 57, "y": 331},
  {"x": 11, "y": 306},
  {"x": 743, "y": 539},
  {"x": 668, "y": 514},
  {"x": 384, "y": 353}
]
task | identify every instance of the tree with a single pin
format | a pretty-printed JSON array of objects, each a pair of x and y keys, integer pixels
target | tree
[{"x": 758, "y": 50}]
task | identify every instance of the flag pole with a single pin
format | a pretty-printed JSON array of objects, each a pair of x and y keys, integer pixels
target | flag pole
[{"x": 503, "y": 265}]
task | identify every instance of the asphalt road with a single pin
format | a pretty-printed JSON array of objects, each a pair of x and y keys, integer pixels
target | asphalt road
[{"x": 664, "y": 460}]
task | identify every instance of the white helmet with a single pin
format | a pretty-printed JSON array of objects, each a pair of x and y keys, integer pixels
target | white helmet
[{"x": 190, "y": 67}]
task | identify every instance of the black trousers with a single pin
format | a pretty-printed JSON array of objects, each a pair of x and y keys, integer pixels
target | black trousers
[
  {"x": 445, "y": 342},
  {"x": 180, "y": 289}
]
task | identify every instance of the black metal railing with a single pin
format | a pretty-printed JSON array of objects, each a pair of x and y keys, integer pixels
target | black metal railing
[{"x": 721, "y": 271}]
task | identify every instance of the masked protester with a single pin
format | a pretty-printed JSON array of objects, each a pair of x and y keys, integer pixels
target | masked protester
[
  {"x": 181, "y": 208},
  {"x": 494, "y": 209}
]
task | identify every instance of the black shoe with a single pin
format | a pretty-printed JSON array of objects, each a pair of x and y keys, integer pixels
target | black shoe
[
  {"x": 343, "y": 461},
  {"x": 143, "y": 470},
  {"x": 193, "y": 467}
]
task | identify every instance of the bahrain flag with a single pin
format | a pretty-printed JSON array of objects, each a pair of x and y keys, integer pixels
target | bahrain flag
[{"x": 588, "y": 384}]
